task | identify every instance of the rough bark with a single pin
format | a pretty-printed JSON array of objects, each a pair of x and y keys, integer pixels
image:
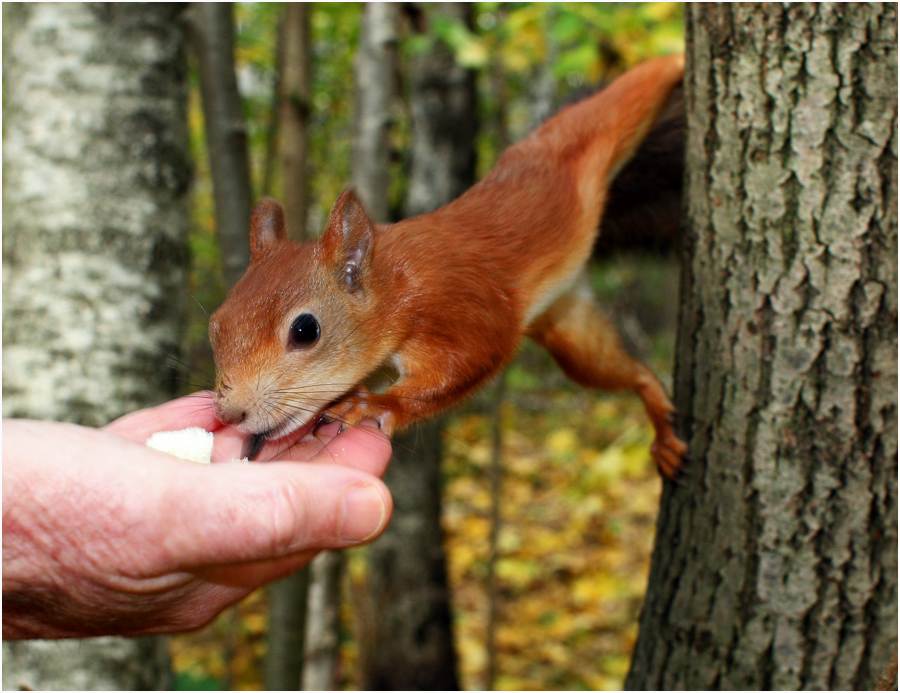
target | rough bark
[
  {"x": 413, "y": 641},
  {"x": 375, "y": 69},
  {"x": 212, "y": 37},
  {"x": 97, "y": 664},
  {"x": 775, "y": 564},
  {"x": 293, "y": 112},
  {"x": 96, "y": 173}
]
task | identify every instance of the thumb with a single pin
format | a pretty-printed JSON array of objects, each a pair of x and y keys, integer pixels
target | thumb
[{"x": 257, "y": 512}]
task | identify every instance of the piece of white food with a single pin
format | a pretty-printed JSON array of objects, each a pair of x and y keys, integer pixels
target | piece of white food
[{"x": 193, "y": 444}]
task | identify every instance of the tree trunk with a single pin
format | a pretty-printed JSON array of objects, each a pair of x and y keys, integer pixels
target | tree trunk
[
  {"x": 95, "y": 219},
  {"x": 286, "y": 633},
  {"x": 323, "y": 622},
  {"x": 287, "y": 597},
  {"x": 375, "y": 70},
  {"x": 293, "y": 110},
  {"x": 775, "y": 564},
  {"x": 444, "y": 121},
  {"x": 374, "y": 76},
  {"x": 413, "y": 640},
  {"x": 212, "y": 36}
]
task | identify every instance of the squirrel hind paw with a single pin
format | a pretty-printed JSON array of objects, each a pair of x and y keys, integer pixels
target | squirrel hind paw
[{"x": 670, "y": 455}]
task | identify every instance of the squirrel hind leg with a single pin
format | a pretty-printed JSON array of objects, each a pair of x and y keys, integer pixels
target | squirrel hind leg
[{"x": 590, "y": 352}]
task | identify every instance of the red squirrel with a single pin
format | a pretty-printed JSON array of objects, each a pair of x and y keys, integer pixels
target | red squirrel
[{"x": 437, "y": 304}]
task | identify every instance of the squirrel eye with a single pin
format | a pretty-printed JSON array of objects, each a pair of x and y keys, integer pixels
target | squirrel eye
[{"x": 304, "y": 331}]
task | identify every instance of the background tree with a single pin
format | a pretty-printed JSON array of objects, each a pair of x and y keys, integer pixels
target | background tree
[
  {"x": 412, "y": 634},
  {"x": 293, "y": 113},
  {"x": 776, "y": 560},
  {"x": 375, "y": 91},
  {"x": 95, "y": 173},
  {"x": 375, "y": 79},
  {"x": 291, "y": 598},
  {"x": 212, "y": 30},
  {"x": 323, "y": 627},
  {"x": 212, "y": 35},
  {"x": 286, "y": 633}
]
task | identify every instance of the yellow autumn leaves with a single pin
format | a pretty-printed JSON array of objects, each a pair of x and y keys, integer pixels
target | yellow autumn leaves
[{"x": 579, "y": 502}]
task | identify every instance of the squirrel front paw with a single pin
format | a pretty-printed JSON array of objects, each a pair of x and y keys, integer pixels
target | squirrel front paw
[{"x": 362, "y": 404}]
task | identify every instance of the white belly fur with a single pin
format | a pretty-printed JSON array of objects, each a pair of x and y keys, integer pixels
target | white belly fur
[{"x": 545, "y": 300}]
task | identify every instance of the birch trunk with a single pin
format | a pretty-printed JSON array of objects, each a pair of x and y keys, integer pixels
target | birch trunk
[
  {"x": 96, "y": 174},
  {"x": 413, "y": 644},
  {"x": 374, "y": 77},
  {"x": 776, "y": 561},
  {"x": 375, "y": 70}
]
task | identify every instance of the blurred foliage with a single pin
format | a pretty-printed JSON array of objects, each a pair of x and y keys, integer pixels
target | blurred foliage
[
  {"x": 580, "y": 493},
  {"x": 578, "y": 505}
]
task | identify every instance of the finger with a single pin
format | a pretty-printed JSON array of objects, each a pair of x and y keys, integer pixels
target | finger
[
  {"x": 250, "y": 576},
  {"x": 210, "y": 590},
  {"x": 228, "y": 444},
  {"x": 300, "y": 445},
  {"x": 184, "y": 412},
  {"x": 364, "y": 447},
  {"x": 240, "y": 513}
]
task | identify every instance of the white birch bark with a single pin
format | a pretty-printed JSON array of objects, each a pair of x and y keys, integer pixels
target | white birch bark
[
  {"x": 95, "y": 176},
  {"x": 375, "y": 74}
]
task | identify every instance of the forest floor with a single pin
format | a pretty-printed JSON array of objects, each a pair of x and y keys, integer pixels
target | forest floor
[{"x": 578, "y": 508}]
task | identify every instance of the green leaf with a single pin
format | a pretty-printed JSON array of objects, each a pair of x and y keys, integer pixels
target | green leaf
[
  {"x": 568, "y": 28},
  {"x": 578, "y": 59},
  {"x": 468, "y": 48}
]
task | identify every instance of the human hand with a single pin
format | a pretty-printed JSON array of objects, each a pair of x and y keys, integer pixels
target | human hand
[{"x": 102, "y": 535}]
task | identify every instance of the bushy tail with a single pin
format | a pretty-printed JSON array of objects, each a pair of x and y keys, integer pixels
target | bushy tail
[
  {"x": 643, "y": 206},
  {"x": 596, "y": 137}
]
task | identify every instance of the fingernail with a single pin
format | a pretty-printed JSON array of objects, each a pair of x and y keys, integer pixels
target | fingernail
[{"x": 364, "y": 513}]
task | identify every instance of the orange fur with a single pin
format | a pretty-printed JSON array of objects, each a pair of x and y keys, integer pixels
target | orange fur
[{"x": 442, "y": 300}]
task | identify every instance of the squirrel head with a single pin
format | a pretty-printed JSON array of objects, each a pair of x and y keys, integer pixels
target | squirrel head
[{"x": 296, "y": 331}]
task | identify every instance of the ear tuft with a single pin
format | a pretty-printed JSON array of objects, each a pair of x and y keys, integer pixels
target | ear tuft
[
  {"x": 348, "y": 240},
  {"x": 266, "y": 227}
]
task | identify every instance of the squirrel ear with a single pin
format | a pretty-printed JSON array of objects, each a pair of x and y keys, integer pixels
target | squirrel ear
[
  {"x": 348, "y": 240},
  {"x": 266, "y": 227}
]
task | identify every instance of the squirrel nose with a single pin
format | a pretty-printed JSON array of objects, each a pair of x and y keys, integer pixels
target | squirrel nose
[{"x": 229, "y": 414}]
